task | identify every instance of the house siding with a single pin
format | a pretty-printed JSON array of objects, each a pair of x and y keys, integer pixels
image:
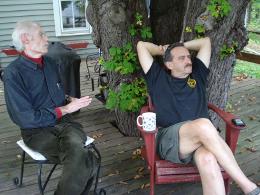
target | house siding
[{"x": 40, "y": 11}]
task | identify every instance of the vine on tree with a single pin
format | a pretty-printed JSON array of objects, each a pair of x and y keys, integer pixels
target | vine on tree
[
  {"x": 228, "y": 50},
  {"x": 130, "y": 97},
  {"x": 138, "y": 28},
  {"x": 219, "y": 8},
  {"x": 122, "y": 60},
  {"x": 200, "y": 30}
]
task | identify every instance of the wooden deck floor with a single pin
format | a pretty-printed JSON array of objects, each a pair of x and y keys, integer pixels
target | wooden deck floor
[{"x": 119, "y": 167}]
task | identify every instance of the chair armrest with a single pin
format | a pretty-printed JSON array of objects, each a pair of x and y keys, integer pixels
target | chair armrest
[
  {"x": 144, "y": 109},
  {"x": 232, "y": 131},
  {"x": 225, "y": 116},
  {"x": 148, "y": 151}
]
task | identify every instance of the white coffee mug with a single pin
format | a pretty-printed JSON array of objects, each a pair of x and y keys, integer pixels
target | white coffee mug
[{"x": 148, "y": 121}]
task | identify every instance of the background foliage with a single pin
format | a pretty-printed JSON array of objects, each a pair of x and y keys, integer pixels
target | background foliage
[{"x": 248, "y": 69}]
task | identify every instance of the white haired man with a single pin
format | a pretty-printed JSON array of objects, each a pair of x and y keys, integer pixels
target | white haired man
[
  {"x": 179, "y": 98},
  {"x": 36, "y": 102}
]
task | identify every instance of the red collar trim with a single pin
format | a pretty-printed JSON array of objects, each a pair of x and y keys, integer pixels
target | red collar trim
[{"x": 38, "y": 61}]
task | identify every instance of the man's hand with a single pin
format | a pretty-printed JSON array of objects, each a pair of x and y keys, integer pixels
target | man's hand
[
  {"x": 76, "y": 104},
  {"x": 163, "y": 48},
  {"x": 146, "y": 51},
  {"x": 203, "y": 46}
]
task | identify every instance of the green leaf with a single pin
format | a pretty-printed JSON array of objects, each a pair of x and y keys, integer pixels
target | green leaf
[
  {"x": 219, "y": 8},
  {"x": 118, "y": 69},
  {"x": 112, "y": 100},
  {"x": 146, "y": 32},
  {"x": 112, "y": 51},
  {"x": 139, "y": 19},
  {"x": 132, "y": 96},
  {"x": 132, "y": 30},
  {"x": 199, "y": 29},
  {"x": 128, "y": 47}
]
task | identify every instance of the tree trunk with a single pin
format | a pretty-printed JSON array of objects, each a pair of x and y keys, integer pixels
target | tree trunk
[{"x": 110, "y": 20}]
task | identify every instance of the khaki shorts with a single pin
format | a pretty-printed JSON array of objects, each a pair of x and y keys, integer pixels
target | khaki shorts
[{"x": 167, "y": 144}]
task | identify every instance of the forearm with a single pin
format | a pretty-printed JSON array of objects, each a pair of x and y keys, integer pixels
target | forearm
[
  {"x": 151, "y": 48},
  {"x": 75, "y": 104},
  {"x": 146, "y": 51},
  {"x": 196, "y": 44},
  {"x": 203, "y": 46},
  {"x": 63, "y": 110}
]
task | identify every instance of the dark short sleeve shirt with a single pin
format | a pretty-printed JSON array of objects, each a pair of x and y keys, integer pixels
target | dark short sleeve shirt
[{"x": 174, "y": 100}]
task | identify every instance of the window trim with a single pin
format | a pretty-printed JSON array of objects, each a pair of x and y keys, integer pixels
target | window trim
[{"x": 58, "y": 23}]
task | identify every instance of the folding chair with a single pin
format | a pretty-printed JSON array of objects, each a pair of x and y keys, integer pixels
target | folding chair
[{"x": 38, "y": 158}]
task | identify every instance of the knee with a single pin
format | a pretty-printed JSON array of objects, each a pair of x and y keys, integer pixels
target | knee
[
  {"x": 204, "y": 158},
  {"x": 74, "y": 151},
  {"x": 207, "y": 162},
  {"x": 72, "y": 143},
  {"x": 206, "y": 130}
]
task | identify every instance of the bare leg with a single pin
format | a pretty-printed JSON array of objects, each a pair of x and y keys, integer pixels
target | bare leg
[
  {"x": 201, "y": 132},
  {"x": 211, "y": 177}
]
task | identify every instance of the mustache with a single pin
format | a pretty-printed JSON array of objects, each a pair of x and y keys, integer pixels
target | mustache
[{"x": 188, "y": 65}]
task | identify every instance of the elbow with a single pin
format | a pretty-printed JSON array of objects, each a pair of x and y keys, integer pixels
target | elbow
[
  {"x": 139, "y": 44},
  {"x": 207, "y": 41}
]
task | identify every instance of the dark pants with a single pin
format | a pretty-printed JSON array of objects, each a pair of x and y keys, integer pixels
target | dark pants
[{"x": 64, "y": 144}]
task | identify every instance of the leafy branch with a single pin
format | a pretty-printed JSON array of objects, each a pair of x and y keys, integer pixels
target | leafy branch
[
  {"x": 122, "y": 60},
  {"x": 130, "y": 96},
  {"x": 138, "y": 28},
  {"x": 200, "y": 30},
  {"x": 219, "y": 8},
  {"x": 228, "y": 50}
]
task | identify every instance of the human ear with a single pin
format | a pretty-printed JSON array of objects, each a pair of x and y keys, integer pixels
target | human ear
[
  {"x": 168, "y": 65},
  {"x": 24, "y": 38}
]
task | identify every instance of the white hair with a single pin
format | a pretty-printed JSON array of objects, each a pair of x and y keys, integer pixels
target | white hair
[{"x": 25, "y": 27}]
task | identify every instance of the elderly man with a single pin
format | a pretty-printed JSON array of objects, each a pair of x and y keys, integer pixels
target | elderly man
[
  {"x": 36, "y": 102},
  {"x": 178, "y": 93}
]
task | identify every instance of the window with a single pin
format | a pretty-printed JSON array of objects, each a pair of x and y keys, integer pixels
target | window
[{"x": 70, "y": 19}]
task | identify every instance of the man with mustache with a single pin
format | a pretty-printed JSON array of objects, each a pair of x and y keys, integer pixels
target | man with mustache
[
  {"x": 178, "y": 93},
  {"x": 36, "y": 102}
]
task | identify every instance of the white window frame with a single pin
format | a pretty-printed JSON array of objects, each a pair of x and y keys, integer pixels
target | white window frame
[{"x": 58, "y": 22}]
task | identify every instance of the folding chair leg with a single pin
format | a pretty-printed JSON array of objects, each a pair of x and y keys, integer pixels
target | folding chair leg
[
  {"x": 42, "y": 187},
  {"x": 102, "y": 191},
  {"x": 99, "y": 164},
  {"x": 20, "y": 181},
  {"x": 40, "y": 178},
  {"x": 49, "y": 176}
]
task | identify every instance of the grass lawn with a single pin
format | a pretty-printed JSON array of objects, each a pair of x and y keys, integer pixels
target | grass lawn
[{"x": 250, "y": 69}]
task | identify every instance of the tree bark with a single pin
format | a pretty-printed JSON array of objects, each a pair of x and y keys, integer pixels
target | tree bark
[{"x": 110, "y": 20}]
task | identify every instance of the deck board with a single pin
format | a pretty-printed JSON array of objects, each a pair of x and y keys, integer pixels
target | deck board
[{"x": 119, "y": 168}]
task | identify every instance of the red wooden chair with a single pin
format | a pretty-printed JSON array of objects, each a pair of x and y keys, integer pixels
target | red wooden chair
[{"x": 163, "y": 172}]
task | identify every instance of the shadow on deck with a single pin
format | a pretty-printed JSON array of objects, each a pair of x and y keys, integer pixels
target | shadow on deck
[{"x": 121, "y": 172}]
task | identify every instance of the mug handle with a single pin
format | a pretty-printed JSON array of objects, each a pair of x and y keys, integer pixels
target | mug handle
[{"x": 137, "y": 120}]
